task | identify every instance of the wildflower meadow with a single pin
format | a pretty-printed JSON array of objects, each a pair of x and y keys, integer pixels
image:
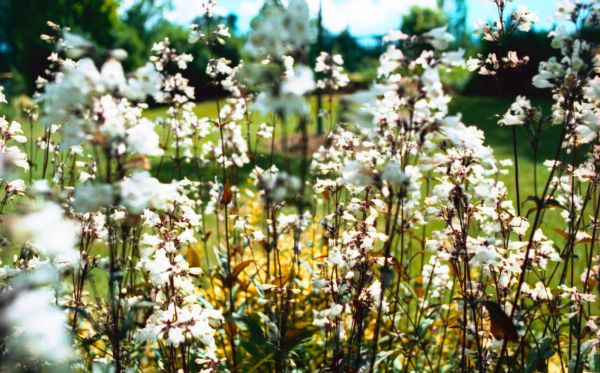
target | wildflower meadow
[{"x": 140, "y": 236}]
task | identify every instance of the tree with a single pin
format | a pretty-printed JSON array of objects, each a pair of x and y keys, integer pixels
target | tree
[
  {"x": 143, "y": 14},
  {"x": 422, "y": 19},
  {"x": 346, "y": 44},
  {"x": 23, "y": 21},
  {"x": 135, "y": 31},
  {"x": 196, "y": 71},
  {"x": 456, "y": 11},
  {"x": 458, "y": 20}
]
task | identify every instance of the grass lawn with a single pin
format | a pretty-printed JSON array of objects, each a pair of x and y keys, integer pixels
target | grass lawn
[
  {"x": 482, "y": 112},
  {"x": 479, "y": 111},
  {"x": 476, "y": 110}
]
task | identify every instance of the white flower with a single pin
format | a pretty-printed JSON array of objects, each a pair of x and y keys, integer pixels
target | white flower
[
  {"x": 539, "y": 293},
  {"x": 518, "y": 112},
  {"x": 473, "y": 64},
  {"x": 75, "y": 45},
  {"x": 288, "y": 63},
  {"x": 11, "y": 131},
  {"x": 113, "y": 74},
  {"x": 332, "y": 70},
  {"x": 300, "y": 82},
  {"x": 50, "y": 233},
  {"x": 176, "y": 336},
  {"x": 394, "y": 35},
  {"x": 481, "y": 27},
  {"x": 265, "y": 131},
  {"x": 389, "y": 61},
  {"x": 119, "y": 54},
  {"x": 144, "y": 82},
  {"x": 573, "y": 294},
  {"x": 357, "y": 174},
  {"x": 258, "y": 236},
  {"x": 454, "y": 58},
  {"x": 519, "y": 225},
  {"x": 219, "y": 66},
  {"x": 142, "y": 191},
  {"x": 16, "y": 186},
  {"x": 547, "y": 71},
  {"x": 12, "y": 156},
  {"x": 393, "y": 175},
  {"x": 208, "y": 7},
  {"x": 114, "y": 121},
  {"x": 372, "y": 295},
  {"x": 564, "y": 10},
  {"x": 593, "y": 88},
  {"x": 439, "y": 38},
  {"x": 222, "y": 33},
  {"x": 335, "y": 257},
  {"x": 71, "y": 91},
  {"x": 524, "y": 18},
  {"x": 560, "y": 36},
  {"x": 39, "y": 326},
  {"x": 159, "y": 268},
  {"x": 280, "y": 30},
  {"x": 541, "y": 81},
  {"x": 240, "y": 224},
  {"x": 486, "y": 255},
  {"x": 335, "y": 310},
  {"x": 142, "y": 139}
]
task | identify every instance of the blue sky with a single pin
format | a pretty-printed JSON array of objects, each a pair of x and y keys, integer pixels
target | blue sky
[{"x": 363, "y": 17}]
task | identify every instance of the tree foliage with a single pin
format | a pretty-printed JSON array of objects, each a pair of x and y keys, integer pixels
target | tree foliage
[
  {"x": 422, "y": 19},
  {"x": 23, "y": 21}
]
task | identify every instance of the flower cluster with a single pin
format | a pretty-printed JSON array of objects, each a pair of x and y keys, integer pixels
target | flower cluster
[
  {"x": 185, "y": 243},
  {"x": 331, "y": 67}
]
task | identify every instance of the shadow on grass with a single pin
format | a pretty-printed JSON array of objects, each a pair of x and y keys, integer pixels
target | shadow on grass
[
  {"x": 169, "y": 169},
  {"x": 484, "y": 113}
]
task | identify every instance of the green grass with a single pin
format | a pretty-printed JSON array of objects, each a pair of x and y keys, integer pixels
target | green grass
[
  {"x": 479, "y": 111},
  {"x": 482, "y": 112},
  {"x": 286, "y": 162}
]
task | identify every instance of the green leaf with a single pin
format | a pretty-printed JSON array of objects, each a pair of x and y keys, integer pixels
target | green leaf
[
  {"x": 398, "y": 363},
  {"x": 550, "y": 202},
  {"x": 423, "y": 327},
  {"x": 536, "y": 359},
  {"x": 595, "y": 362},
  {"x": 575, "y": 326},
  {"x": 257, "y": 343}
]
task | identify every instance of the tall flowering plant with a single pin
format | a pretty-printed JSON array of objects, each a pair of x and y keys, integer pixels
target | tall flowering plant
[{"x": 396, "y": 245}]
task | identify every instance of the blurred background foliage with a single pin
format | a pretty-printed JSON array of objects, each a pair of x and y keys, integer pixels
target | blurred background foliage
[
  {"x": 420, "y": 20},
  {"x": 23, "y": 54}
]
